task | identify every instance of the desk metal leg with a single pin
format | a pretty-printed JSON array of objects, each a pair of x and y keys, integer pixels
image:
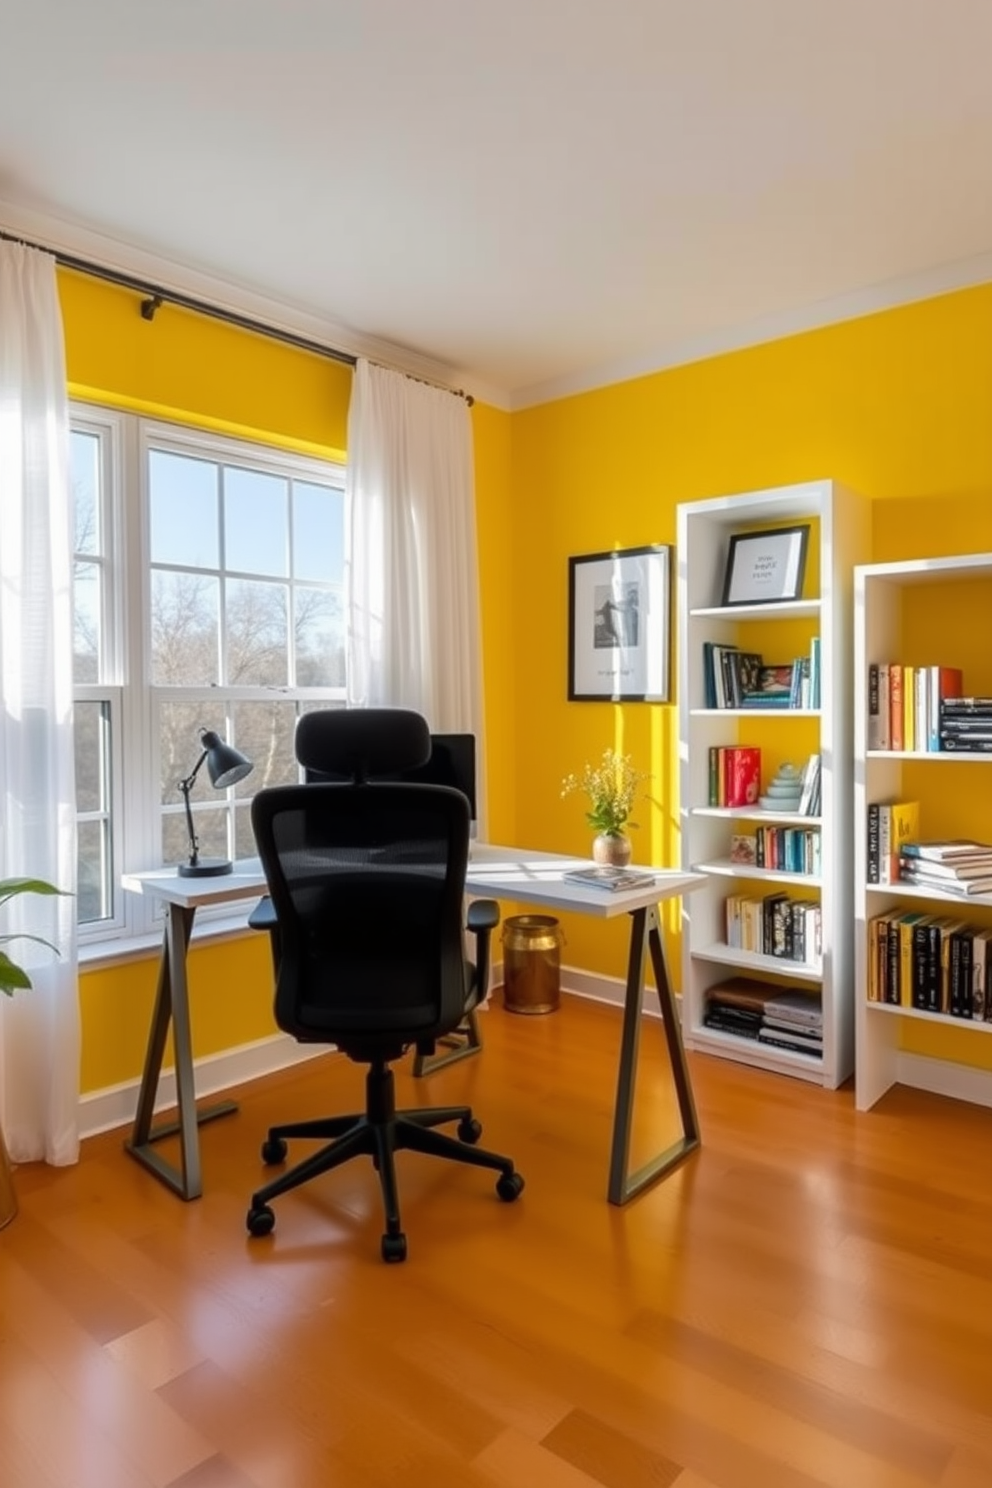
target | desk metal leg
[
  {"x": 172, "y": 1004},
  {"x": 646, "y": 937},
  {"x": 465, "y": 1040}
]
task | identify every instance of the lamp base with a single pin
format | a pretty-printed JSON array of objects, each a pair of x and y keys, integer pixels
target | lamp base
[{"x": 206, "y": 868}]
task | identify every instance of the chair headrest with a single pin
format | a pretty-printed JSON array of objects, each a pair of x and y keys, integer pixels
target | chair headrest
[{"x": 363, "y": 741}]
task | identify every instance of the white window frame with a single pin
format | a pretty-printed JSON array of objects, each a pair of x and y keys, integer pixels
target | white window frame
[{"x": 126, "y": 442}]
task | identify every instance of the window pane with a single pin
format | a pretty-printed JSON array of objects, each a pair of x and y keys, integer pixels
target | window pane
[
  {"x": 256, "y": 522},
  {"x": 91, "y": 722},
  {"x": 87, "y": 581},
  {"x": 318, "y": 532},
  {"x": 185, "y": 630},
  {"x": 84, "y": 473},
  {"x": 94, "y": 867},
  {"x": 320, "y": 638},
  {"x": 265, "y": 733},
  {"x": 256, "y": 634},
  {"x": 180, "y": 746},
  {"x": 182, "y": 495},
  {"x": 210, "y": 827},
  {"x": 244, "y": 837}
]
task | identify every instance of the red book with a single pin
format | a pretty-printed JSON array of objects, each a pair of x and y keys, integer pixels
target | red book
[
  {"x": 895, "y": 706},
  {"x": 742, "y": 775}
]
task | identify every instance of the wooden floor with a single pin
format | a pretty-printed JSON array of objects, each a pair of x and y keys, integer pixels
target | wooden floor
[{"x": 806, "y": 1301}]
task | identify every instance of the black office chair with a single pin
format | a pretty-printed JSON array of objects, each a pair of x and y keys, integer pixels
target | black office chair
[{"x": 367, "y": 883}]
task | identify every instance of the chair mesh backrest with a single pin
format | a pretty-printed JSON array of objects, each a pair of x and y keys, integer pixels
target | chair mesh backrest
[{"x": 367, "y": 882}]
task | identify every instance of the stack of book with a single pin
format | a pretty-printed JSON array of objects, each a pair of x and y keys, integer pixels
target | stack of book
[
  {"x": 793, "y": 1020},
  {"x": 956, "y": 867},
  {"x": 778, "y": 1016},
  {"x": 966, "y": 725},
  {"x": 775, "y": 925},
  {"x": 892, "y": 826},
  {"x": 906, "y": 705},
  {"x": 741, "y": 679},
  {"x": 933, "y": 963}
]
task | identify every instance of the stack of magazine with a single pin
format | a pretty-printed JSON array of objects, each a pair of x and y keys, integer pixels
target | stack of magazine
[
  {"x": 603, "y": 876},
  {"x": 957, "y": 867},
  {"x": 775, "y": 1015}
]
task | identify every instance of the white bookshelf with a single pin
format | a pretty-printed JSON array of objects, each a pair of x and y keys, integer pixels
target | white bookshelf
[
  {"x": 840, "y": 538},
  {"x": 922, "y": 612}
]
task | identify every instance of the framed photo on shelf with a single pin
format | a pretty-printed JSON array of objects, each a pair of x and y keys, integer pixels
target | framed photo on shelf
[
  {"x": 766, "y": 567},
  {"x": 619, "y": 626}
]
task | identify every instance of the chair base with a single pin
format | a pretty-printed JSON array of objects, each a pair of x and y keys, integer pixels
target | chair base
[{"x": 378, "y": 1132}]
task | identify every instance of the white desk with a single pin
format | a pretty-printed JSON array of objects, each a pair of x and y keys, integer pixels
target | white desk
[
  {"x": 493, "y": 872},
  {"x": 536, "y": 878}
]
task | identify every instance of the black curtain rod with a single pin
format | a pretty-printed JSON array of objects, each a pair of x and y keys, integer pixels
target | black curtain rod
[{"x": 154, "y": 297}]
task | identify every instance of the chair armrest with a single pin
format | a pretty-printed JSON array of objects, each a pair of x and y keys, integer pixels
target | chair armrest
[
  {"x": 483, "y": 914},
  {"x": 482, "y": 918},
  {"x": 263, "y": 916}
]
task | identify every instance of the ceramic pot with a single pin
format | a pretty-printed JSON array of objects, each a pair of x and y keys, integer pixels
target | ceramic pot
[{"x": 612, "y": 848}]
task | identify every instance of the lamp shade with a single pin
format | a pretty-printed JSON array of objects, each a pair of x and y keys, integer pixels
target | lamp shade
[{"x": 225, "y": 764}]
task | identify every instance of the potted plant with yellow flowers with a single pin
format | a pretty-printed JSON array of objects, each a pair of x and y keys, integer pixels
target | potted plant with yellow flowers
[
  {"x": 612, "y": 788},
  {"x": 14, "y": 978}
]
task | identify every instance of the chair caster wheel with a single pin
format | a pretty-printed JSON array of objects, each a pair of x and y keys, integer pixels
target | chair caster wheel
[
  {"x": 261, "y": 1220},
  {"x": 509, "y": 1186},
  {"x": 394, "y": 1247},
  {"x": 274, "y": 1151},
  {"x": 469, "y": 1130}
]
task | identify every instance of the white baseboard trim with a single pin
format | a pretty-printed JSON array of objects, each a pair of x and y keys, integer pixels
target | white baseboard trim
[
  {"x": 115, "y": 1105},
  {"x": 942, "y": 1077},
  {"x": 596, "y": 988}
]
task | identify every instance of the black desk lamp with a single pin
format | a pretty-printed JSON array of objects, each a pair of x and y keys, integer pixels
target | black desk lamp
[{"x": 225, "y": 766}]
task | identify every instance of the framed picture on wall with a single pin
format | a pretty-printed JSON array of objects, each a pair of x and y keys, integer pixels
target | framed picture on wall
[
  {"x": 619, "y": 626},
  {"x": 766, "y": 567}
]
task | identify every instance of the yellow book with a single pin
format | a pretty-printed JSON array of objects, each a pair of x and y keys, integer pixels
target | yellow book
[
  {"x": 908, "y": 708},
  {"x": 904, "y": 826}
]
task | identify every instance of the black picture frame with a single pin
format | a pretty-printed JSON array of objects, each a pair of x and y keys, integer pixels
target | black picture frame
[
  {"x": 766, "y": 567},
  {"x": 619, "y": 625}
]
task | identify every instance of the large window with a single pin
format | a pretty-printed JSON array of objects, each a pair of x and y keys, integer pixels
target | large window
[{"x": 209, "y": 594}]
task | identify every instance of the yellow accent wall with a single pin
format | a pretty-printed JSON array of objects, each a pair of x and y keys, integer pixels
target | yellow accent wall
[{"x": 896, "y": 405}]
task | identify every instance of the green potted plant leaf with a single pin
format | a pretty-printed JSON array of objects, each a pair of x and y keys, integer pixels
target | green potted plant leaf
[
  {"x": 12, "y": 979},
  {"x": 13, "y": 976}
]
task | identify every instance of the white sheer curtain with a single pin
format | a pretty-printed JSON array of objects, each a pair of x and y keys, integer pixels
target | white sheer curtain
[
  {"x": 414, "y": 585},
  {"x": 39, "y": 1029}
]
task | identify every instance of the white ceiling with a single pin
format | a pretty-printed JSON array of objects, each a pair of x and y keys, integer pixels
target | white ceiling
[{"x": 538, "y": 195}]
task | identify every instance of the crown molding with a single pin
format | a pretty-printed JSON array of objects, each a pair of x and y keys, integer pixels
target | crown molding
[
  {"x": 63, "y": 236},
  {"x": 962, "y": 274}
]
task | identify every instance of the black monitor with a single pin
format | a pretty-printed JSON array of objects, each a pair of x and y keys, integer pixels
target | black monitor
[{"x": 452, "y": 762}]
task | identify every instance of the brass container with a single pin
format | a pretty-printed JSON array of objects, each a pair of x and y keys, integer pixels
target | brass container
[
  {"x": 531, "y": 964},
  {"x": 8, "y": 1199}
]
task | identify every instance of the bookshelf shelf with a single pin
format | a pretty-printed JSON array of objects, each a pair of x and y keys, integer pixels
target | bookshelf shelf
[
  {"x": 721, "y": 954},
  {"x": 928, "y": 1018},
  {"x": 756, "y": 814},
  {"x": 755, "y": 712},
  {"x": 840, "y": 537},
  {"x": 730, "y": 869},
  {"x": 795, "y": 609},
  {"x": 920, "y": 613},
  {"x": 732, "y": 1046}
]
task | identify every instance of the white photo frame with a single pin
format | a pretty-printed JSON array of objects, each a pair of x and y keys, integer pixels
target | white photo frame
[
  {"x": 619, "y": 625},
  {"x": 766, "y": 567}
]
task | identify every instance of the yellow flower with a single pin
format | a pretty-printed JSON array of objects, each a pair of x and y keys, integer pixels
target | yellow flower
[{"x": 611, "y": 788}]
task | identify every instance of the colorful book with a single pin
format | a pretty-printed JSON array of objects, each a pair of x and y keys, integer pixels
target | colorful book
[
  {"x": 742, "y": 775},
  {"x": 945, "y": 683},
  {"x": 895, "y": 706}
]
